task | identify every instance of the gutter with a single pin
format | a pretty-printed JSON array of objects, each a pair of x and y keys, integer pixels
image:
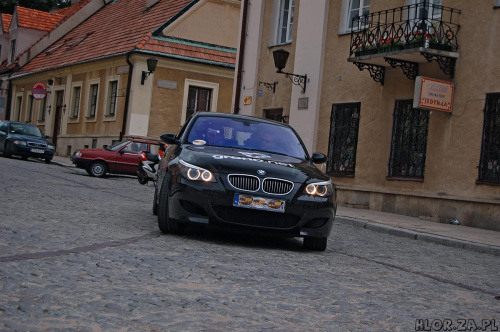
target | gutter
[
  {"x": 237, "y": 93},
  {"x": 127, "y": 95}
]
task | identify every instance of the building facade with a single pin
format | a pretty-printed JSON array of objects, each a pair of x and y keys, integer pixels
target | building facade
[
  {"x": 402, "y": 96},
  {"x": 99, "y": 86}
]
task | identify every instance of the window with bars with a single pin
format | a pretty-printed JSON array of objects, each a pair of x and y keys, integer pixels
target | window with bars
[
  {"x": 31, "y": 102},
  {"x": 75, "y": 102},
  {"x": 112, "y": 94},
  {"x": 94, "y": 88},
  {"x": 41, "y": 109},
  {"x": 198, "y": 100},
  {"x": 343, "y": 140},
  {"x": 285, "y": 25},
  {"x": 409, "y": 141},
  {"x": 489, "y": 165}
]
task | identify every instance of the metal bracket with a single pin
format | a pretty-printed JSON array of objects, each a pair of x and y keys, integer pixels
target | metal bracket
[
  {"x": 446, "y": 64},
  {"x": 410, "y": 69},
  {"x": 269, "y": 86},
  {"x": 376, "y": 72}
]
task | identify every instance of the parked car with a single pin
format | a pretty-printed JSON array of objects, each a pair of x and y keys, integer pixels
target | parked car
[
  {"x": 245, "y": 174},
  {"x": 119, "y": 158},
  {"x": 25, "y": 140}
]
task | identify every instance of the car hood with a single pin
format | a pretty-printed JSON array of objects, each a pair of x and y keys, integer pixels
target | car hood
[
  {"x": 90, "y": 153},
  {"x": 29, "y": 138},
  {"x": 241, "y": 161}
]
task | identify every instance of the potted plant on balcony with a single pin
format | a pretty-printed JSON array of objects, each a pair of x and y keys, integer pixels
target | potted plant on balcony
[
  {"x": 440, "y": 42},
  {"x": 366, "y": 48},
  {"x": 414, "y": 40},
  {"x": 390, "y": 44}
]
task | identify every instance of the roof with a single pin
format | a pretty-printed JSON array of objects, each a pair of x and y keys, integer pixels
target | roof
[
  {"x": 36, "y": 19},
  {"x": 6, "y": 18},
  {"x": 119, "y": 27}
]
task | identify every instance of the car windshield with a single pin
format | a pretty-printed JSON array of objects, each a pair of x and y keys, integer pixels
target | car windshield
[
  {"x": 246, "y": 134},
  {"x": 117, "y": 146},
  {"x": 24, "y": 129}
]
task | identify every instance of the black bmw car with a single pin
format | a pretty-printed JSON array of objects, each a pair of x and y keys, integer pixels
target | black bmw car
[
  {"x": 245, "y": 174},
  {"x": 25, "y": 140}
]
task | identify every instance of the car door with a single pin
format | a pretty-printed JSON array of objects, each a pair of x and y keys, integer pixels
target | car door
[
  {"x": 3, "y": 134},
  {"x": 128, "y": 157}
]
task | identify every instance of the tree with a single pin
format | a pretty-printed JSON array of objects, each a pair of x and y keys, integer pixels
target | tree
[{"x": 7, "y": 6}]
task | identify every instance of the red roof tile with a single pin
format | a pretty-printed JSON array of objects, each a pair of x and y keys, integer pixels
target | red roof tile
[
  {"x": 6, "y": 18},
  {"x": 115, "y": 29}
]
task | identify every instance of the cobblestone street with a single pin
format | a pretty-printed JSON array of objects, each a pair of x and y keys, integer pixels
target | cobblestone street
[{"x": 79, "y": 253}]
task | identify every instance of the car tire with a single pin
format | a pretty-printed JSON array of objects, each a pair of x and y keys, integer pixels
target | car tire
[
  {"x": 98, "y": 169},
  {"x": 165, "y": 223},
  {"x": 7, "y": 152},
  {"x": 142, "y": 177},
  {"x": 48, "y": 160},
  {"x": 315, "y": 243},
  {"x": 155, "y": 203}
]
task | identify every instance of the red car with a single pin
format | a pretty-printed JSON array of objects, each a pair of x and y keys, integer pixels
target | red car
[{"x": 119, "y": 158}]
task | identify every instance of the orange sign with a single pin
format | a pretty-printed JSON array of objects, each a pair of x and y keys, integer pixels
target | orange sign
[
  {"x": 247, "y": 100},
  {"x": 433, "y": 94}
]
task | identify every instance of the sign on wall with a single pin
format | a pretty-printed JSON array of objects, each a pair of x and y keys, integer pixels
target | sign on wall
[
  {"x": 433, "y": 94},
  {"x": 247, "y": 100},
  {"x": 39, "y": 91}
]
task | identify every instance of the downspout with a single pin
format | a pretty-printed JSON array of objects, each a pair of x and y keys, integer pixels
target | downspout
[
  {"x": 240, "y": 58},
  {"x": 127, "y": 96}
]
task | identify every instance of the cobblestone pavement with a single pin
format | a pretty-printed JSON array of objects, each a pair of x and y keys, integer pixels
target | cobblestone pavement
[{"x": 84, "y": 254}]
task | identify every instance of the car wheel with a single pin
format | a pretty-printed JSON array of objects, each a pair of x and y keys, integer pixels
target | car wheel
[
  {"x": 315, "y": 243},
  {"x": 155, "y": 203},
  {"x": 142, "y": 177},
  {"x": 7, "y": 151},
  {"x": 48, "y": 160},
  {"x": 98, "y": 169},
  {"x": 165, "y": 223}
]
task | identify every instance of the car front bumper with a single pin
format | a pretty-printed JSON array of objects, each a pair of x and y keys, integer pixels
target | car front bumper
[
  {"x": 212, "y": 204},
  {"x": 33, "y": 152}
]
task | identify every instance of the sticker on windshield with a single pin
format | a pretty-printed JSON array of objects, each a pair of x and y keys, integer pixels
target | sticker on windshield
[
  {"x": 255, "y": 155},
  {"x": 199, "y": 142}
]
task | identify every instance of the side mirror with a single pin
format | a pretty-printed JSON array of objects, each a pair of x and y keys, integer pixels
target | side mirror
[
  {"x": 318, "y": 158},
  {"x": 121, "y": 151},
  {"x": 47, "y": 136},
  {"x": 169, "y": 139}
]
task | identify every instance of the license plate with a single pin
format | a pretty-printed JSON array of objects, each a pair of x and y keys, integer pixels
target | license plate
[
  {"x": 259, "y": 203},
  {"x": 37, "y": 151}
]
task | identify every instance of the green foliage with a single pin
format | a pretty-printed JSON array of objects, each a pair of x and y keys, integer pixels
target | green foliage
[{"x": 7, "y": 6}]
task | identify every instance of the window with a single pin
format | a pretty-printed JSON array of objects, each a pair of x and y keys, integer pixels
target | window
[
  {"x": 19, "y": 103},
  {"x": 343, "y": 142},
  {"x": 94, "y": 88},
  {"x": 285, "y": 25},
  {"x": 29, "y": 113},
  {"x": 409, "y": 141},
  {"x": 41, "y": 110},
  {"x": 357, "y": 9},
  {"x": 75, "y": 102},
  {"x": 112, "y": 89},
  {"x": 489, "y": 166},
  {"x": 431, "y": 9},
  {"x": 12, "y": 50},
  {"x": 198, "y": 100}
]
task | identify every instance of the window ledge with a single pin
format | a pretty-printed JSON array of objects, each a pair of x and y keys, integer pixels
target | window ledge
[
  {"x": 398, "y": 178},
  {"x": 489, "y": 183},
  {"x": 277, "y": 45}
]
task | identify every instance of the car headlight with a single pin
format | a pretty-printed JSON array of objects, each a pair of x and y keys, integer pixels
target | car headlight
[
  {"x": 50, "y": 147},
  {"x": 195, "y": 173},
  {"x": 19, "y": 142},
  {"x": 321, "y": 189},
  {"x": 78, "y": 154}
]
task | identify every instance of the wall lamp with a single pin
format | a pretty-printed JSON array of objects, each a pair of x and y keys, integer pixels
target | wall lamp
[
  {"x": 152, "y": 62},
  {"x": 280, "y": 59}
]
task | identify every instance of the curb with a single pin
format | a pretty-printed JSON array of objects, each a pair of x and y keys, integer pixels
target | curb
[{"x": 431, "y": 238}]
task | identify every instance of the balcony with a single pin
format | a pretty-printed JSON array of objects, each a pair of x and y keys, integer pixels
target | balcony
[{"x": 405, "y": 37}]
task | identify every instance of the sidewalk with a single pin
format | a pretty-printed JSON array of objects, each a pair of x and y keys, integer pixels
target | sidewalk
[{"x": 457, "y": 236}]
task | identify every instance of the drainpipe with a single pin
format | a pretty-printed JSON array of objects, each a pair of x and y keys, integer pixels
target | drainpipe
[
  {"x": 237, "y": 94},
  {"x": 127, "y": 96}
]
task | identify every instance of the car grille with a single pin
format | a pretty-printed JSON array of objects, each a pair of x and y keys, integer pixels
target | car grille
[
  {"x": 244, "y": 182},
  {"x": 252, "y": 183},
  {"x": 277, "y": 186},
  {"x": 37, "y": 145},
  {"x": 256, "y": 218}
]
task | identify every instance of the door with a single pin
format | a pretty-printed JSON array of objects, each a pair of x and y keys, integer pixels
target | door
[
  {"x": 128, "y": 157},
  {"x": 58, "y": 115}
]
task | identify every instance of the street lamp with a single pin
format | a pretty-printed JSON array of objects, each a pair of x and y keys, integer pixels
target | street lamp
[{"x": 280, "y": 58}]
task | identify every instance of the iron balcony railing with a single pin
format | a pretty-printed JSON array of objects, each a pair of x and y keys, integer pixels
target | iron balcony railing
[{"x": 409, "y": 27}]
